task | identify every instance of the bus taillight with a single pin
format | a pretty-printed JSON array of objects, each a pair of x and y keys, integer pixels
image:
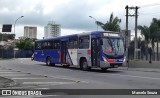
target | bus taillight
[
  {"x": 110, "y": 60},
  {"x": 89, "y": 52}
]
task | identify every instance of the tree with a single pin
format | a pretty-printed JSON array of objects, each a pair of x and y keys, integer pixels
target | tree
[
  {"x": 145, "y": 32},
  {"x": 157, "y": 34},
  {"x": 25, "y": 44},
  {"x": 151, "y": 33},
  {"x": 111, "y": 25}
]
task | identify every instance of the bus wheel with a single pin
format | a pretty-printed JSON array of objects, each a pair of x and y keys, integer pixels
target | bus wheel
[
  {"x": 84, "y": 65},
  {"x": 66, "y": 65},
  {"x": 104, "y": 69},
  {"x": 48, "y": 61}
]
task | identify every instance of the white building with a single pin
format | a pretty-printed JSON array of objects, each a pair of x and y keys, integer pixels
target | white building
[
  {"x": 30, "y": 32},
  {"x": 52, "y": 30}
]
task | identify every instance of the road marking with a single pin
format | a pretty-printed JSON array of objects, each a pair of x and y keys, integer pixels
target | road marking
[
  {"x": 43, "y": 88},
  {"x": 4, "y": 70},
  {"x": 137, "y": 76},
  {"x": 20, "y": 74},
  {"x": 69, "y": 78},
  {"x": 8, "y": 72},
  {"x": 30, "y": 78},
  {"x": 50, "y": 83}
]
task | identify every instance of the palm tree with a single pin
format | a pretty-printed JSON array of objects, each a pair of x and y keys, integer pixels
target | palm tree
[
  {"x": 151, "y": 34},
  {"x": 156, "y": 34},
  {"x": 153, "y": 30},
  {"x": 111, "y": 25},
  {"x": 145, "y": 32}
]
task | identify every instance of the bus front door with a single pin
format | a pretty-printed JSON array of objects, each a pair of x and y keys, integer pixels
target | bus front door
[
  {"x": 63, "y": 51},
  {"x": 95, "y": 52}
]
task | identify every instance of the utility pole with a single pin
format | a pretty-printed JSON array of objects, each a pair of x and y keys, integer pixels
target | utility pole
[
  {"x": 136, "y": 19},
  {"x": 135, "y": 43},
  {"x": 126, "y": 35}
]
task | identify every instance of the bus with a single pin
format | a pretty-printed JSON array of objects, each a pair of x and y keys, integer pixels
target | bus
[{"x": 97, "y": 49}]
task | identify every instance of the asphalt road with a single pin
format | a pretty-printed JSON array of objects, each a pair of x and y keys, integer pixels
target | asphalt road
[{"x": 32, "y": 74}]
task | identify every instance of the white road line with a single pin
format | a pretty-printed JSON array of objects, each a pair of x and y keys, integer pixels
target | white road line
[
  {"x": 9, "y": 72},
  {"x": 50, "y": 83},
  {"x": 30, "y": 78},
  {"x": 137, "y": 76},
  {"x": 26, "y": 87},
  {"x": 5, "y": 70},
  {"x": 69, "y": 78},
  {"x": 14, "y": 74},
  {"x": 42, "y": 88}
]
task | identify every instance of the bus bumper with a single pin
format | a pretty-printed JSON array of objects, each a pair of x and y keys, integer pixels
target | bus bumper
[{"x": 112, "y": 65}]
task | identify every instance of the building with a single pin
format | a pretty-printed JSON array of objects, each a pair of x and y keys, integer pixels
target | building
[
  {"x": 30, "y": 32},
  {"x": 52, "y": 30}
]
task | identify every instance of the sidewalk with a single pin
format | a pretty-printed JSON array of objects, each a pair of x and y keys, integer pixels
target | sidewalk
[
  {"x": 5, "y": 82},
  {"x": 139, "y": 69}
]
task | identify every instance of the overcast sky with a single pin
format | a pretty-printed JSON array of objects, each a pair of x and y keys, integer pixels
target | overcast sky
[{"x": 73, "y": 15}]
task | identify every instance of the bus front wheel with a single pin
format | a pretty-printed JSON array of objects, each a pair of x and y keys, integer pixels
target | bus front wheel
[{"x": 48, "y": 61}]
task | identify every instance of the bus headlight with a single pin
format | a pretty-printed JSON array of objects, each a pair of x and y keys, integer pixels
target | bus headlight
[{"x": 104, "y": 59}]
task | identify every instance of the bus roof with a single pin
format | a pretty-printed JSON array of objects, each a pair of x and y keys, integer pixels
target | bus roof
[{"x": 76, "y": 35}]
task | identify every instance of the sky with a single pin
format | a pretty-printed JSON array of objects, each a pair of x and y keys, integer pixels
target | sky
[{"x": 73, "y": 15}]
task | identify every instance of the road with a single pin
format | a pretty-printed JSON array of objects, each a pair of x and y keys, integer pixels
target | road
[{"x": 32, "y": 74}]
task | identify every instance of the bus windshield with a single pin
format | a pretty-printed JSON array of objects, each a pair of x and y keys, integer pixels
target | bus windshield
[{"x": 113, "y": 46}]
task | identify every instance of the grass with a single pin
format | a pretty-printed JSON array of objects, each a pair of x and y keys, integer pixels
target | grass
[{"x": 5, "y": 58}]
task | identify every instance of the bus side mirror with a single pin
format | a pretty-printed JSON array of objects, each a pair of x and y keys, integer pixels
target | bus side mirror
[{"x": 101, "y": 42}]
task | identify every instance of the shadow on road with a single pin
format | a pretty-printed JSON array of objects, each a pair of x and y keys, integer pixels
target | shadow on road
[{"x": 97, "y": 70}]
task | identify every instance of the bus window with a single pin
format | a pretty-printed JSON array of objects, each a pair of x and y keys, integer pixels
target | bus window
[
  {"x": 73, "y": 44},
  {"x": 38, "y": 46},
  {"x": 44, "y": 45},
  {"x": 56, "y": 45},
  {"x": 70, "y": 45},
  {"x": 84, "y": 42},
  {"x": 50, "y": 46}
]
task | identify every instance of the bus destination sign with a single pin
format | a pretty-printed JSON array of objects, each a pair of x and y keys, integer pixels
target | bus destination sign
[{"x": 111, "y": 34}]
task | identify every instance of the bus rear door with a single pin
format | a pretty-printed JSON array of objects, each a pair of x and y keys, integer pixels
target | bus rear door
[{"x": 63, "y": 51}]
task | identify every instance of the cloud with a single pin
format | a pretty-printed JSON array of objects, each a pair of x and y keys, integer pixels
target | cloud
[{"x": 72, "y": 14}]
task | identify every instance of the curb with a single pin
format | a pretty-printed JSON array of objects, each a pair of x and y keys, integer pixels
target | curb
[{"x": 139, "y": 69}]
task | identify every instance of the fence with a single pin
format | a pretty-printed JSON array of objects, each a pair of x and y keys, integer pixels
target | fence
[
  {"x": 144, "y": 55},
  {"x": 18, "y": 53}
]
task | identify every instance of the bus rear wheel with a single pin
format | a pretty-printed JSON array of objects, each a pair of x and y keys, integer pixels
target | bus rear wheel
[
  {"x": 84, "y": 65},
  {"x": 65, "y": 65},
  {"x": 104, "y": 69}
]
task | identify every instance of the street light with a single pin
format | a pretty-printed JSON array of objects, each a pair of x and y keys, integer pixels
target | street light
[
  {"x": 14, "y": 32},
  {"x": 95, "y": 21}
]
